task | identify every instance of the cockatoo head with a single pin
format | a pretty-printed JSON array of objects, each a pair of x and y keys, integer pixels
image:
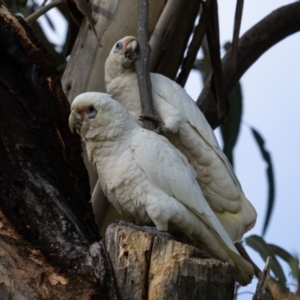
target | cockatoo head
[
  {"x": 121, "y": 57},
  {"x": 97, "y": 116}
]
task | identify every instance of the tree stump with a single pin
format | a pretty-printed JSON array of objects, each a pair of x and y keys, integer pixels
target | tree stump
[{"x": 150, "y": 266}]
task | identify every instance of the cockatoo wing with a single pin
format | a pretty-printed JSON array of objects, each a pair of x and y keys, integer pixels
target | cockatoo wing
[
  {"x": 197, "y": 141},
  {"x": 168, "y": 170},
  {"x": 171, "y": 92}
]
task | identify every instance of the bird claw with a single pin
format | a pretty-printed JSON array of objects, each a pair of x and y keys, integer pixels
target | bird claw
[
  {"x": 156, "y": 120},
  {"x": 160, "y": 125}
]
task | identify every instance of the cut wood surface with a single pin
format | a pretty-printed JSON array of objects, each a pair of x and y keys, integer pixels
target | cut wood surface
[{"x": 153, "y": 266}]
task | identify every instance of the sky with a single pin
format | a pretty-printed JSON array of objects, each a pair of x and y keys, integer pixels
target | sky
[{"x": 271, "y": 94}]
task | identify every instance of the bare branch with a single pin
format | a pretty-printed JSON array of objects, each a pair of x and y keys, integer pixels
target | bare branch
[
  {"x": 261, "y": 284},
  {"x": 236, "y": 32},
  {"x": 171, "y": 35},
  {"x": 276, "y": 26},
  {"x": 213, "y": 39},
  {"x": 85, "y": 9},
  {"x": 43, "y": 10},
  {"x": 195, "y": 44},
  {"x": 142, "y": 64}
]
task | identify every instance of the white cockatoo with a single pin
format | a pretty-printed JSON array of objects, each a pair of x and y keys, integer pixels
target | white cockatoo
[
  {"x": 187, "y": 129},
  {"x": 147, "y": 178}
]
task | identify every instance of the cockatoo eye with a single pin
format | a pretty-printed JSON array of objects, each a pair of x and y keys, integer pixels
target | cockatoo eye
[
  {"x": 91, "y": 112},
  {"x": 119, "y": 47}
]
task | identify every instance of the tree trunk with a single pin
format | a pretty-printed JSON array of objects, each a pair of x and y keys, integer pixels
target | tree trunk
[
  {"x": 153, "y": 266},
  {"x": 47, "y": 231}
]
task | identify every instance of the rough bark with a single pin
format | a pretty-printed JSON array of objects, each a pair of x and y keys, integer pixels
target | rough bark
[
  {"x": 142, "y": 64},
  {"x": 272, "y": 29},
  {"x": 25, "y": 273},
  {"x": 153, "y": 266},
  {"x": 44, "y": 190}
]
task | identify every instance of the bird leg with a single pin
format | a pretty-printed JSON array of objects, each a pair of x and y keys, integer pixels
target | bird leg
[
  {"x": 244, "y": 254},
  {"x": 161, "y": 128}
]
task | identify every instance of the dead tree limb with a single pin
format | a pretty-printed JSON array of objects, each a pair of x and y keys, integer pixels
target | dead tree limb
[
  {"x": 213, "y": 40},
  {"x": 236, "y": 31},
  {"x": 195, "y": 44},
  {"x": 142, "y": 64}
]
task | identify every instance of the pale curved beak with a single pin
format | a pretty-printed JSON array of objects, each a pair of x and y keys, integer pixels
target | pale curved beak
[
  {"x": 130, "y": 53},
  {"x": 132, "y": 46},
  {"x": 71, "y": 122},
  {"x": 75, "y": 120}
]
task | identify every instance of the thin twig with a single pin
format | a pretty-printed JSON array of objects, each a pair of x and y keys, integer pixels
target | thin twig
[
  {"x": 213, "y": 40},
  {"x": 142, "y": 64},
  {"x": 195, "y": 44},
  {"x": 43, "y": 10},
  {"x": 260, "y": 287},
  {"x": 44, "y": 3},
  {"x": 236, "y": 32}
]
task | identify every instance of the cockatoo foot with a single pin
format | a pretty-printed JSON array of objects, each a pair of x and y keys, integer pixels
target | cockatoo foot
[
  {"x": 161, "y": 128},
  {"x": 149, "y": 229}
]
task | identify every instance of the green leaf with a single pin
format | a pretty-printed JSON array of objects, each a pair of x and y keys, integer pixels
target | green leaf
[
  {"x": 258, "y": 244},
  {"x": 270, "y": 175},
  {"x": 290, "y": 259},
  {"x": 231, "y": 127}
]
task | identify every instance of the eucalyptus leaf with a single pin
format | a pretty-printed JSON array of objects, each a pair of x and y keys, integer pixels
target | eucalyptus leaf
[
  {"x": 270, "y": 175},
  {"x": 290, "y": 259},
  {"x": 231, "y": 127},
  {"x": 258, "y": 244}
]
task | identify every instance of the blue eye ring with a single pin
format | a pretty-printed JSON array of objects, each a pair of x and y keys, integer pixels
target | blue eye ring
[
  {"x": 118, "y": 47},
  {"x": 91, "y": 112}
]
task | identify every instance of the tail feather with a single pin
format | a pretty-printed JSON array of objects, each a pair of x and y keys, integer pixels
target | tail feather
[{"x": 244, "y": 271}]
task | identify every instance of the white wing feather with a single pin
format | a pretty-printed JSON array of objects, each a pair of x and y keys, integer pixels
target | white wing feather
[
  {"x": 168, "y": 169},
  {"x": 197, "y": 141}
]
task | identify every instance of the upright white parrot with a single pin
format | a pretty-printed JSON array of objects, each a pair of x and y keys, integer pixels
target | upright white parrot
[
  {"x": 148, "y": 179},
  {"x": 187, "y": 129}
]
